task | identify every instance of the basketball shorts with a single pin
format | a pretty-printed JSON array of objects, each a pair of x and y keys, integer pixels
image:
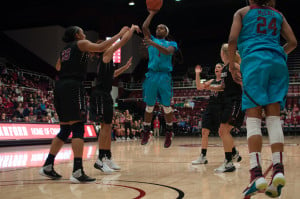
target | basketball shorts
[
  {"x": 101, "y": 107},
  {"x": 157, "y": 87},
  {"x": 265, "y": 79},
  {"x": 69, "y": 100},
  {"x": 211, "y": 117},
  {"x": 232, "y": 111}
]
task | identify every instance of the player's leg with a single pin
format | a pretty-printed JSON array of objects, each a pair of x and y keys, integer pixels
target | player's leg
[
  {"x": 276, "y": 138},
  {"x": 149, "y": 95},
  {"x": 204, "y": 144},
  {"x": 164, "y": 96},
  {"x": 254, "y": 137},
  {"x": 104, "y": 110}
]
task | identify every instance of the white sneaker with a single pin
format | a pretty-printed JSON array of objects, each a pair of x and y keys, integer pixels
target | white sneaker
[
  {"x": 277, "y": 182},
  {"x": 201, "y": 160},
  {"x": 112, "y": 164},
  {"x": 102, "y": 166},
  {"x": 225, "y": 167}
]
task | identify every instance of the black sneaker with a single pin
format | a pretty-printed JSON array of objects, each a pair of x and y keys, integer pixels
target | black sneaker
[
  {"x": 79, "y": 177},
  {"x": 237, "y": 157},
  {"x": 49, "y": 172}
]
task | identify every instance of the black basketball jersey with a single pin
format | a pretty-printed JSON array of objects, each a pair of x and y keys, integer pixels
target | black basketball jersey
[
  {"x": 232, "y": 89},
  {"x": 216, "y": 97},
  {"x": 73, "y": 62},
  {"x": 105, "y": 75}
]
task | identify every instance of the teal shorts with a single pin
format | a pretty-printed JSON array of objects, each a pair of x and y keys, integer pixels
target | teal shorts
[
  {"x": 265, "y": 79},
  {"x": 157, "y": 87}
]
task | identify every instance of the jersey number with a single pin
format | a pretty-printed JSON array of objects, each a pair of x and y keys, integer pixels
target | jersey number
[
  {"x": 263, "y": 23},
  {"x": 65, "y": 55}
]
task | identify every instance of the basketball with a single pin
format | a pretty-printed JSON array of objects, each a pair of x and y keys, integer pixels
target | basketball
[{"x": 154, "y": 4}]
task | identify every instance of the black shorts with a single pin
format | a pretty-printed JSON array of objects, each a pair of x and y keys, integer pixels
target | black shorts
[
  {"x": 232, "y": 112},
  {"x": 101, "y": 107},
  {"x": 69, "y": 100},
  {"x": 211, "y": 117}
]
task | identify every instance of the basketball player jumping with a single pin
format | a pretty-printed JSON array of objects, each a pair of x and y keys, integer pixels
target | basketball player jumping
[{"x": 158, "y": 82}]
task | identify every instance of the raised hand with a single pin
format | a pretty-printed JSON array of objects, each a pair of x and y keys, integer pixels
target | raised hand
[
  {"x": 136, "y": 28},
  {"x": 198, "y": 69}
]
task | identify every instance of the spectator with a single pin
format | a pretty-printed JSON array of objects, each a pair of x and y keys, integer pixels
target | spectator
[
  {"x": 55, "y": 118},
  {"x": 20, "y": 97},
  {"x": 13, "y": 119},
  {"x": 3, "y": 117},
  {"x": 26, "y": 110},
  {"x": 156, "y": 127},
  {"x": 26, "y": 119},
  {"x": 17, "y": 113},
  {"x": 295, "y": 108}
]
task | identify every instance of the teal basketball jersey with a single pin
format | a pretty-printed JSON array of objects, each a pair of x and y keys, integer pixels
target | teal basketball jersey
[{"x": 261, "y": 31}]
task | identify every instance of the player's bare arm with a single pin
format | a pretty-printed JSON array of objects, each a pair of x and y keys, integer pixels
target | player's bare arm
[
  {"x": 123, "y": 68},
  {"x": 146, "y": 24},
  {"x": 288, "y": 34}
]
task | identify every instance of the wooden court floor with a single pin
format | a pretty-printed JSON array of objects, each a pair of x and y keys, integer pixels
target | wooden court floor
[{"x": 150, "y": 171}]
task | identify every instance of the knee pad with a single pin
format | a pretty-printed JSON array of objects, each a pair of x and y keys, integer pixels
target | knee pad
[
  {"x": 64, "y": 133},
  {"x": 167, "y": 109},
  {"x": 77, "y": 130},
  {"x": 274, "y": 129},
  {"x": 149, "y": 109},
  {"x": 253, "y": 126}
]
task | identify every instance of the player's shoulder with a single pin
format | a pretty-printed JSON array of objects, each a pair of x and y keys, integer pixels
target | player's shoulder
[{"x": 243, "y": 10}]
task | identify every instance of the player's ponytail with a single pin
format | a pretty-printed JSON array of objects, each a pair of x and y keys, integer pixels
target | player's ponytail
[{"x": 70, "y": 33}]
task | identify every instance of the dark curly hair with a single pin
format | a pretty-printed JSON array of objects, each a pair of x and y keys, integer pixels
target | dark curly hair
[
  {"x": 70, "y": 33},
  {"x": 261, "y": 2}
]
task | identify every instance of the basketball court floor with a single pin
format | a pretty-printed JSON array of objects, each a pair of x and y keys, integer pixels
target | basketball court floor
[{"x": 150, "y": 172}]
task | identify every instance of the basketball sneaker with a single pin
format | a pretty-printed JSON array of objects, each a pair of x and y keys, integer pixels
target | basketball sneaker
[
  {"x": 257, "y": 182},
  {"x": 145, "y": 137},
  {"x": 112, "y": 164},
  {"x": 201, "y": 160},
  {"x": 48, "y": 171},
  {"x": 237, "y": 157},
  {"x": 80, "y": 177},
  {"x": 277, "y": 182},
  {"x": 227, "y": 166},
  {"x": 102, "y": 166},
  {"x": 168, "y": 139}
]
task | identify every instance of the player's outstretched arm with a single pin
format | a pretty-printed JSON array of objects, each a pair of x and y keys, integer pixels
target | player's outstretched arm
[
  {"x": 123, "y": 68},
  {"x": 108, "y": 54},
  {"x": 88, "y": 46},
  {"x": 146, "y": 24},
  {"x": 199, "y": 85}
]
